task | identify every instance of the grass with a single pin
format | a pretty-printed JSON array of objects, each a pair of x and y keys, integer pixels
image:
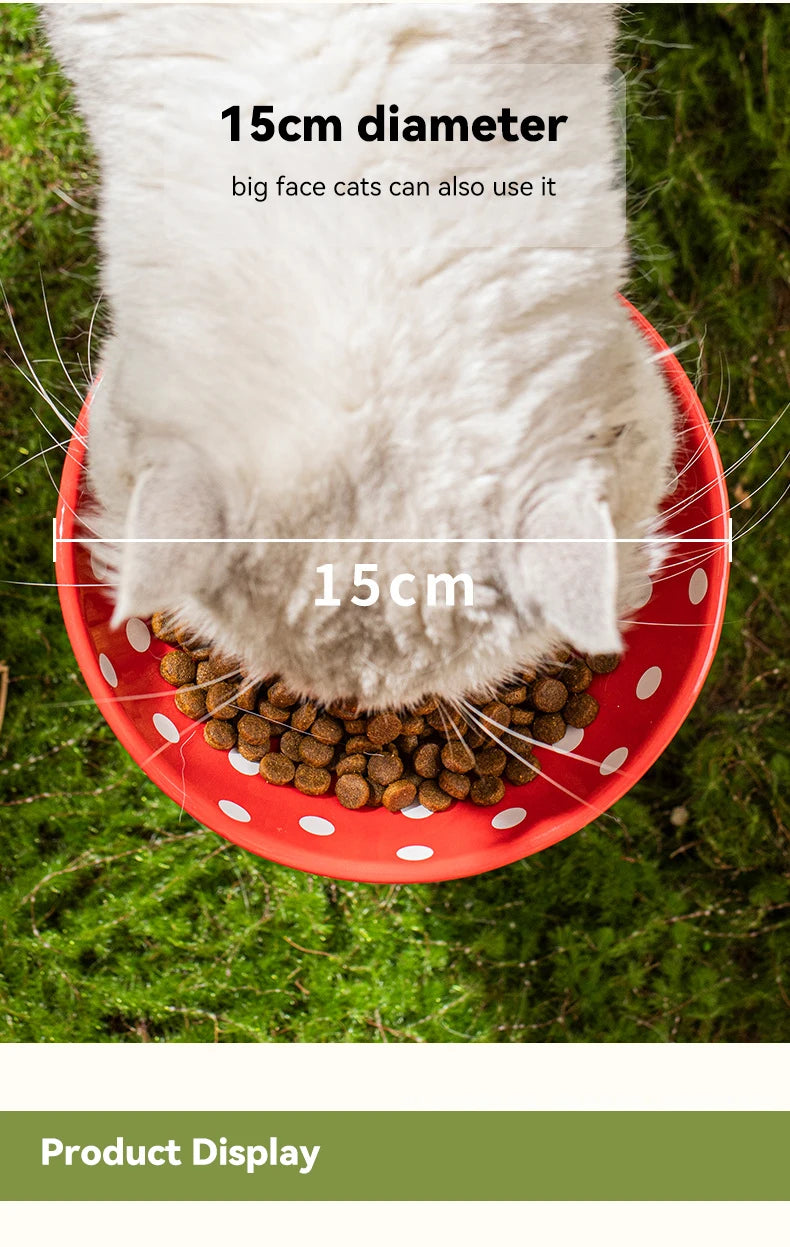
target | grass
[{"x": 122, "y": 922}]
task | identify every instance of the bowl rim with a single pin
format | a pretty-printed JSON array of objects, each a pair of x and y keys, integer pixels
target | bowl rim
[{"x": 308, "y": 858}]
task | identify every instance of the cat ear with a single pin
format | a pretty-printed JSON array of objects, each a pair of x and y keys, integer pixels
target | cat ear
[
  {"x": 571, "y": 578},
  {"x": 171, "y": 501}
]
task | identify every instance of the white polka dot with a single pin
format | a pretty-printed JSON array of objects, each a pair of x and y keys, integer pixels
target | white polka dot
[
  {"x": 698, "y": 586},
  {"x": 316, "y": 826},
  {"x": 613, "y": 761},
  {"x": 509, "y": 818},
  {"x": 415, "y": 852},
  {"x": 243, "y": 765},
  {"x": 415, "y": 810},
  {"x": 234, "y": 811},
  {"x": 108, "y": 670},
  {"x": 571, "y": 740},
  {"x": 137, "y": 635},
  {"x": 642, "y": 594},
  {"x": 166, "y": 727},
  {"x": 648, "y": 683}
]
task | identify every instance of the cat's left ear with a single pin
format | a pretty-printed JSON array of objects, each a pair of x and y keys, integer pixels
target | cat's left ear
[
  {"x": 174, "y": 514},
  {"x": 568, "y": 569}
]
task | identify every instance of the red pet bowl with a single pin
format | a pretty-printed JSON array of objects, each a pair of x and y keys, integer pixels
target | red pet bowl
[{"x": 644, "y": 702}]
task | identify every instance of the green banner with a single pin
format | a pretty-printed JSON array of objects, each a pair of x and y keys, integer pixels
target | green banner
[{"x": 394, "y": 1156}]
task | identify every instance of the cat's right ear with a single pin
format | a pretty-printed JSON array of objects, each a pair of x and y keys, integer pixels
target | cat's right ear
[
  {"x": 567, "y": 569},
  {"x": 174, "y": 518}
]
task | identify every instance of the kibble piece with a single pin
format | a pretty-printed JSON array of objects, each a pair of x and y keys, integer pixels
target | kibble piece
[
  {"x": 281, "y": 695},
  {"x": 456, "y": 756},
  {"x": 277, "y": 768},
  {"x": 218, "y": 667},
  {"x": 312, "y": 780},
  {"x": 247, "y": 699},
  {"x": 343, "y": 710},
  {"x": 513, "y": 696},
  {"x": 500, "y": 714},
  {"x": 272, "y": 714},
  {"x": 602, "y": 664},
  {"x": 410, "y": 724},
  {"x": 490, "y": 761},
  {"x": 398, "y": 795},
  {"x": 559, "y": 657},
  {"x": 516, "y": 745},
  {"x": 427, "y": 760},
  {"x": 385, "y": 768},
  {"x": 219, "y": 700},
  {"x": 549, "y": 728},
  {"x": 519, "y": 717},
  {"x": 426, "y": 706},
  {"x": 291, "y": 746},
  {"x": 304, "y": 716},
  {"x": 203, "y": 675},
  {"x": 528, "y": 675},
  {"x": 383, "y": 728},
  {"x": 219, "y": 735},
  {"x": 518, "y": 772},
  {"x": 448, "y": 722},
  {"x": 197, "y": 652},
  {"x": 352, "y": 791},
  {"x": 355, "y": 727},
  {"x": 162, "y": 628},
  {"x": 580, "y": 710},
  {"x": 359, "y": 744},
  {"x": 314, "y": 751},
  {"x": 253, "y": 730},
  {"x": 577, "y": 676},
  {"x": 327, "y": 730},
  {"x": 479, "y": 698},
  {"x": 191, "y": 702},
  {"x": 376, "y": 794},
  {"x": 487, "y": 790},
  {"x": 475, "y": 738},
  {"x": 254, "y": 753},
  {"x": 454, "y": 784},
  {"x": 408, "y": 744},
  {"x": 433, "y": 797},
  {"x": 351, "y": 764},
  {"x": 177, "y": 667},
  {"x": 549, "y": 695}
]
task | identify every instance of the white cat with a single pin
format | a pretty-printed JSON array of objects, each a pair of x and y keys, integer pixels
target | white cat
[{"x": 259, "y": 386}]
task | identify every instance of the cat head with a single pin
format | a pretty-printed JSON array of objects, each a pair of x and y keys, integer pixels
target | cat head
[{"x": 227, "y": 560}]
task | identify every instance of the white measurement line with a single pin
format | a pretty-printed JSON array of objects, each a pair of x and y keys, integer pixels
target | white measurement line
[
  {"x": 729, "y": 540},
  {"x": 411, "y": 541}
]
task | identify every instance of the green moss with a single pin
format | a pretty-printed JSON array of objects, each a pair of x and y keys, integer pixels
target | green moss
[{"x": 122, "y": 921}]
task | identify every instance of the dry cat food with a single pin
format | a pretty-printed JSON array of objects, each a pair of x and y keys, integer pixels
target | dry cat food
[{"x": 431, "y": 753}]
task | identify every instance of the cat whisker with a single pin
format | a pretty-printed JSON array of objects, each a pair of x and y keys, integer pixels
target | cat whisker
[
  {"x": 555, "y": 783},
  {"x": 90, "y": 338},
  {"x": 35, "y": 382},
  {"x": 539, "y": 744},
  {"x": 54, "y": 341},
  {"x": 190, "y": 731},
  {"x": 47, "y": 450},
  {"x": 686, "y": 502},
  {"x": 51, "y": 584},
  {"x": 744, "y": 532},
  {"x": 165, "y": 692},
  {"x": 710, "y": 433},
  {"x": 736, "y": 505}
]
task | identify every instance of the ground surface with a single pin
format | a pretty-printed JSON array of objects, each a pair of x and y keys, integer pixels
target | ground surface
[{"x": 121, "y": 922}]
